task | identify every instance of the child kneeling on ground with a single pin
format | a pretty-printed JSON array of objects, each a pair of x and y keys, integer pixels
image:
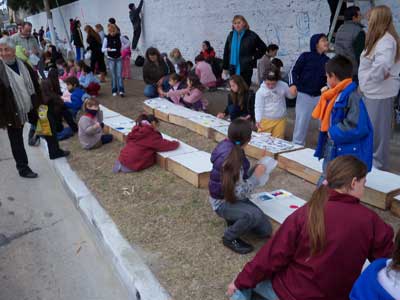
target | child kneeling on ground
[
  {"x": 345, "y": 124},
  {"x": 381, "y": 279},
  {"x": 270, "y": 106},
  {"x": 142, "y": 145},
  {"x": 319, "y": 250},
  {"x": 230, "y": 187},
  {"x": 193, "y": 95},
  {"x": 77, "y": 95},
  {"x": 91, "y": 126}
]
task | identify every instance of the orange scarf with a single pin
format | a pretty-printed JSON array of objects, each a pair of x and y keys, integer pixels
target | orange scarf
[{"x": 324, "y": 107}]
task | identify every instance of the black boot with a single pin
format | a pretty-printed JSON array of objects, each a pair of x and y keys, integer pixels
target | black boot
[
  {"x": 28, "y": 173},
  {"x": 33, "y": 139},
  {"x": 62, "y": 153},
  {"x": 237, "y": 245}
]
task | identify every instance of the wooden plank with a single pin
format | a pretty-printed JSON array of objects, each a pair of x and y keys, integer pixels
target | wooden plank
[
  {"x": 302, "y": 163},
  {"x": 182, "y": 149},
  {"x": 119, "y": 126},
  {"x": 220, "y": 133},
  {"x": 395, "y": 208},
  {"x": 193, "y": 167},
  {"x": 381, "y": 187}
]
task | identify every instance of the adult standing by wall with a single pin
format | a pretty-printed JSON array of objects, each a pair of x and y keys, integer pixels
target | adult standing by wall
[
  {"x": 379, "y": 79},
  {"x": 134, "y": 15},
  {"x": 112, "y": 48},
  {"x": 243, "y": 48},
  {"x": 350, "y": 37},
  {"x": 19, "y": 99},
  {"x": 94, "y": 42},
  {"x": 77, "y": 38}
]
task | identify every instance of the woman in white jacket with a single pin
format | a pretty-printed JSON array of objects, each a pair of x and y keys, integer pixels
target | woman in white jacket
[{"x": 379, "y": 79}]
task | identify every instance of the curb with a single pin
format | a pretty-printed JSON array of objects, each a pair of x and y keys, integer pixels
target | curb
[{"x": 134, "y": 273}]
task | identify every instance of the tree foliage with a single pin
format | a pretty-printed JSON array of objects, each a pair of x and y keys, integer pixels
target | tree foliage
[{"x": 34, "y": 6}]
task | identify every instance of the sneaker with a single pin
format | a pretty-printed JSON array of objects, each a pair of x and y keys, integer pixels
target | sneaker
[
  {"x": 239, "y": 246},
  {"x": 121, "y": 94},
  {"x": 64, "y": 153},
  {"x": 28, "y": 173},
  {"x": 114, "y": 94}
]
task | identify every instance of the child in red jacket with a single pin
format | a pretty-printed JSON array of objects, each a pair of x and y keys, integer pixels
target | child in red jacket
[
  {"x": 142, "y": 144},
  {"x": 319, "y": 250}
]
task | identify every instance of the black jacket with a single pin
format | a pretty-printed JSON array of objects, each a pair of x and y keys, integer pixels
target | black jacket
[
  {"x": 252, "y": 48},
  {"x": 77, "y": 37},
  {"x": 8, "y": 107},
  {"x": 235, "y": 111},
  {"x": 134, "y": 15},
  {"x": 93, "y": 45},
  {"x": 114, "y": 42}
]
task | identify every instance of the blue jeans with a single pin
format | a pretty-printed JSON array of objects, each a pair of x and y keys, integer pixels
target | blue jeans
[
  {"x": 78, "y": 54},
  {"x": 263, "y": 289},
  {"x": 117, "y": 84},
  {"x": 150, "y": 91},
  {"x": 327, "y": 158}
]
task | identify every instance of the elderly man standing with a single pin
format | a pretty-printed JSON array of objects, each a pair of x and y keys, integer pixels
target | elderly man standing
[
  {"x": 28, "y": 43},
  {"x": 19, "y": 99}
]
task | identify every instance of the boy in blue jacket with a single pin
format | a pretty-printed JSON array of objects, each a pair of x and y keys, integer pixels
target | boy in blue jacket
[
  {"x": 381, "y": 280},
  {"x": 345, "y": 125},
  {"x": 77, "y": 95},
  {"x": 308, "y": 76}
]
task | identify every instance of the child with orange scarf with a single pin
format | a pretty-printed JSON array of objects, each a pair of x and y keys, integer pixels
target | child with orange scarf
[{"x": 345, "y": 125}]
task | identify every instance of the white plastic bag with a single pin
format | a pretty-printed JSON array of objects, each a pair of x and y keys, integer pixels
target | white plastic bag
[
  {"x": 270, "y": 164},
  {"x": 88, "y": 55}
]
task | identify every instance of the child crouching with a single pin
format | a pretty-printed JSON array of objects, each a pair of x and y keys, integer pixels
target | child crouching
[{"x": 91, "y": 127}]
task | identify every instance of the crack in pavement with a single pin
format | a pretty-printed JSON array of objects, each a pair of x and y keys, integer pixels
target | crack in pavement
[
  {"x": 4, "y": 240},
  {"x": 5, "y": 159}
]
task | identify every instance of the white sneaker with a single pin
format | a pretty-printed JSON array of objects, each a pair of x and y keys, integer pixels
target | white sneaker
[
  {"x": 114, "y": 94},
  {"x": 121, "y": 94}
]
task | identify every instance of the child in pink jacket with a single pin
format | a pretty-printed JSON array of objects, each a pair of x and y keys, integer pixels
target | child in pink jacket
[
  {"x": 204, "y": 71},
  {"x": 193, "y": 96},
  {"x": 175, "y": 92}
]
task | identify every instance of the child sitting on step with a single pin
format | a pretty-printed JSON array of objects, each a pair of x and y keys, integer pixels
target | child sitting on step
[
  {"x": 231, "y": 185},
  {"x": 193, "y": 95},
  {"x": 91, "y": 126},
  {"x": 175, "y": 92},
  {"x": 142, "y": 144},
  {"x": 270, "y": 105}
]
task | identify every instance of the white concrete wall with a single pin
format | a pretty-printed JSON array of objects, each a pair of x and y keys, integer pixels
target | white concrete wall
[{"x": 186, "y": 23}]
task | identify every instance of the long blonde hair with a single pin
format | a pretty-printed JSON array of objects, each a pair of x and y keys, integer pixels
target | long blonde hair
[{"x": 380, "y": 22}]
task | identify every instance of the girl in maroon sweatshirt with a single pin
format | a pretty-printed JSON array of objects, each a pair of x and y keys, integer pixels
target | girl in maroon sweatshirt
[
  {"x": 319, "y": 251},
  {"x": 142, "y": 144}
]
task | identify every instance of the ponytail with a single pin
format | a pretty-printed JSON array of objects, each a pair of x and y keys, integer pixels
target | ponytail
[
  {"x": 316, "y": 220},
  {"x": 239, "y": 133},
  {"x": 231, "y": 173},
  {"x": 340, "y": 174}
]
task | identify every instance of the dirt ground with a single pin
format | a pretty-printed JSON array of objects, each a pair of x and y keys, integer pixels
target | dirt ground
[{"x": 167, "y": 218}]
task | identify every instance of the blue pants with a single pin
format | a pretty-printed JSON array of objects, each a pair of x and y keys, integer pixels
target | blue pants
[
  {"x": 263, "y": 289},
  {"x": 78, "y": 54},
  {"x": 117, "y": 84},
  {"x": 327, "y": 158},
  {"x": 150, "y": 91},
  {"x": 106, "y": 139}
]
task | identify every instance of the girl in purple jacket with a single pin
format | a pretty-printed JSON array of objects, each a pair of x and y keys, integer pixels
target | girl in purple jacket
[{"x": 230, "y": 187}]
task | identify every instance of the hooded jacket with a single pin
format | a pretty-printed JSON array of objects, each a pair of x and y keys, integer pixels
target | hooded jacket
[
  {"x": 367, "y": 286},
  {"x": 308, "y": 73},
  {"x": 141, "y": 146},
  {"x": 354, "y": 233},
  {"x": 218, "y": 157}
]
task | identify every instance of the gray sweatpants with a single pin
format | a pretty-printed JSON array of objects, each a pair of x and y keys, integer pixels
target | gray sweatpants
[
  {"x": 246, "y": 217},
  {"x": 305, "y": 105},
  {"x": 380, "y": 112}
]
